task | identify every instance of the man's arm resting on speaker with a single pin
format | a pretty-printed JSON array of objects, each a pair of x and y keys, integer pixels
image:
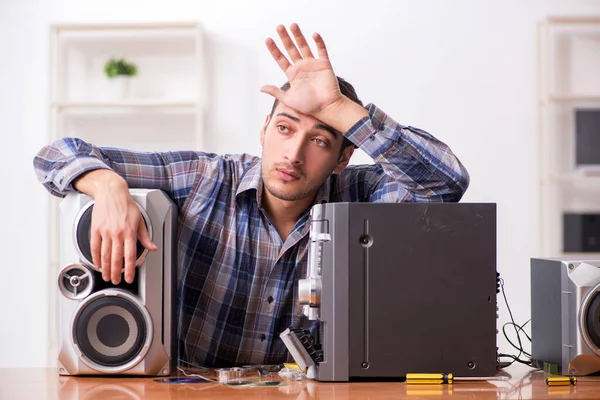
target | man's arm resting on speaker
[
  {"x": 116, "y": 224},
  {"x": 105, "y": 174},
  {"x": 175, "y": 172}
]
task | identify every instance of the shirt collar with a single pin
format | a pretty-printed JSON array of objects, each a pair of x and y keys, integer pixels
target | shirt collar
[{"x": 252, "y": 179}]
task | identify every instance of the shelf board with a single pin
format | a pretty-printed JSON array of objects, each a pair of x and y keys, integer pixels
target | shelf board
[
  {"x": 588, "y": 176},
  {"x": 574, "y": 20},
  {"x": 124, "y": 104},
  {"x": 579, "y": 256},
  {"x": 108, "y": 33},
  {"x": 573, "y": 98},
  {"x": 125, "y": 26}
]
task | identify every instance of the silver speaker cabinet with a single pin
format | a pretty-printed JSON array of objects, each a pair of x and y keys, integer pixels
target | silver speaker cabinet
[
  {"x": 565, "y": 314},
  {"x": 124, "y": 328}
]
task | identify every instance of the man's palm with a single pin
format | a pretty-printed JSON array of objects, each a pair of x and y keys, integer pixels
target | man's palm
[{"x": 313, "y": 84}]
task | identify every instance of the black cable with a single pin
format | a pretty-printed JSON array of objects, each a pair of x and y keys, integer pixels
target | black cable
[
  {"x": 515, "y": 358},
  {"x": 520, "y": 347},
  {"x": 522, "y": 330},
  {"x": 519, "y": 329}
]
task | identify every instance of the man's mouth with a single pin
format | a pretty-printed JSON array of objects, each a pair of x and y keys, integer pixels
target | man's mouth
[{"x": 288, "y": 175}]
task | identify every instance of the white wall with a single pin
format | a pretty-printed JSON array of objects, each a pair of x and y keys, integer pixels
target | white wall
[{"x": 464, "y": 70}]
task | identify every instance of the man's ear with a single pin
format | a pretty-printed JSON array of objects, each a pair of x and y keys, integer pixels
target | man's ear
[
  {"x": 344, "y": 159},
  {"x": 264, "y": 129}
]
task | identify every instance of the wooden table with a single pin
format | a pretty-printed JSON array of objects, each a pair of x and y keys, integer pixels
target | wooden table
[{"x": 524, "y": 383}]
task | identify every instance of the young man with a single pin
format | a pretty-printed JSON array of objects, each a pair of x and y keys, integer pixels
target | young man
[{"x": 243, "y": 220}]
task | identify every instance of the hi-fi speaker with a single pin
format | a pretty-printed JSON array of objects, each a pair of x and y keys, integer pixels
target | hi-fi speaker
[
  {"x": 565, "y": 315},
  {"x": 117, "y": 329}
]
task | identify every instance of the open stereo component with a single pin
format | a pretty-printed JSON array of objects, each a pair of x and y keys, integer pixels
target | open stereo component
[{"x": 392, "y": 289}]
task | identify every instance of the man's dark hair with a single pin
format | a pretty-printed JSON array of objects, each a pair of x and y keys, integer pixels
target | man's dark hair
[{"x": 347, "y": 90}]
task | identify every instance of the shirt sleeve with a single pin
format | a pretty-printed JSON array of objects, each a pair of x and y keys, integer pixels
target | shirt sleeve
[
  {"x": 60, "y": 163},
  {"x": 410, "y": 164}
]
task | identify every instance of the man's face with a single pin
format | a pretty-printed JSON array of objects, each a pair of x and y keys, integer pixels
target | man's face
[{"x": 299, "y": 153}]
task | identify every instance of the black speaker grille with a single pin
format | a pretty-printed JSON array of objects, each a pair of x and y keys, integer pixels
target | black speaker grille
[
  {"x": 83, "y": 236},
  {"x": 110, "y": 331}
]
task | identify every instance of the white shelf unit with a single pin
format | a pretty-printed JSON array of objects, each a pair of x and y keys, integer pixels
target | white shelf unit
[
  {"x": 162, "y": 110},
  {"x": 169, "y": 84},
  {"x": 569, "y": 66}
]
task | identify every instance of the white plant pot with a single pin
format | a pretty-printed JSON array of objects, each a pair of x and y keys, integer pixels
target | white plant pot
[{"x": 118, "y": 87}]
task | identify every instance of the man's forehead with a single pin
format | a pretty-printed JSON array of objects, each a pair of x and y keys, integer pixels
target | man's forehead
[
  {"x": 282, "y": 108},
  {"x": 288, "y": 112}
]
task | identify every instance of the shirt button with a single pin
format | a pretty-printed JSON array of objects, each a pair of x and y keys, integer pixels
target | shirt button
[
  {"x": 263, "y": 337},
  {"x": 382, "y": 127},
  {"x": 270, "y": 299}
]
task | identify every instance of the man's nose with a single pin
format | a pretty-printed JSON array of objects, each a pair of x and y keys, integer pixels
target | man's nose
[{"x": 296, "y": 147}]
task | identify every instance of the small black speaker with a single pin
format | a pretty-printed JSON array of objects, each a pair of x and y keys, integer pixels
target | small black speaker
[{"x": 581, "y": 232}]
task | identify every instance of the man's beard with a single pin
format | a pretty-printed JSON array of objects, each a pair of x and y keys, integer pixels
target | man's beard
[{"x": 281, "y": 193}]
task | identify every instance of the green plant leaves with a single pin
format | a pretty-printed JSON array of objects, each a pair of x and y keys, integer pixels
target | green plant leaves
[{"x": 115, "y": 67}]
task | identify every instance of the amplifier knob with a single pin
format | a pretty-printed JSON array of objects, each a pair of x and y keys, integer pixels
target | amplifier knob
[{"x": 309, "y": 291}]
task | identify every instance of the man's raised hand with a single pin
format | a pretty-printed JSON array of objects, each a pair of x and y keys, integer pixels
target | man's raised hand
[{"x": 313, "y": 85}]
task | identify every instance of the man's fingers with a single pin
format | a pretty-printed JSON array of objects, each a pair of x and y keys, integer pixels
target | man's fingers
[
  {"x": 289, "y": 44},
  {"x": 301, "y": 40},
  {"x": 273, "y": 91},
  {"x": 145, "y": 239},
  {"x": 116, "y": 261},
  {"x": 105, "y": 252},
  {"x": 278, "y": 56},
  {"x": 321, "y": 49},
  {"x": 130, "y": 253},
  {"x": 95, "y": 242}
]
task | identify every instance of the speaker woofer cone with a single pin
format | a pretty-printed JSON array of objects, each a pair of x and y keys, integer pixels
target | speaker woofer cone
[
  {"x": 589, "y": 319},
  {"x": 112, "y": 330},
  {"x": 81, "y": 233}
]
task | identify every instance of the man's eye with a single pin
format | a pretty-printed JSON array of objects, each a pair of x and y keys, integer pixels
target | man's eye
[
  {"x": 283, "y": 128},
  {"x": 320, "y": 142}
]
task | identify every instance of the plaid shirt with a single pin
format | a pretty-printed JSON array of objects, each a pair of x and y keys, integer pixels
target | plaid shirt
[{"x": 236, "y": 278}]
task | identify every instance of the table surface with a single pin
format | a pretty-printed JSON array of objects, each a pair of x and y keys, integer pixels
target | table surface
[{"x": 524, "y": 383}]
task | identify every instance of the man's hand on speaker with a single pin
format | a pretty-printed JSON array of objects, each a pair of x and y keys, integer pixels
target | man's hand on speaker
[{"x": 116, "y": 224}]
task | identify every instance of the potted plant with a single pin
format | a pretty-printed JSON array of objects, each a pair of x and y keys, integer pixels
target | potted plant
[{"x": 120, "y": 72}]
